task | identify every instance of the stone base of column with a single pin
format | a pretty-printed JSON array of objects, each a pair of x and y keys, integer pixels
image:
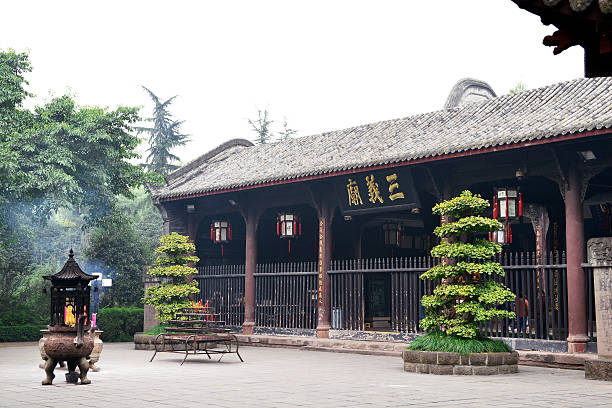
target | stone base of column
[
  {"x": 577, "y": 344},
  {"x": 323, "y": 332},
  {"x": 247, "y": 327}
]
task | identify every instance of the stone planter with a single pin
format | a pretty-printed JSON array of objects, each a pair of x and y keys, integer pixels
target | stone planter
[{"x": 444, "y": 363}]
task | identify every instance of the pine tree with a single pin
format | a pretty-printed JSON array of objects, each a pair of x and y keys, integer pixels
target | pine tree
[
  {"x": 172, "y": 265},
  {"x": 262, "y": 127},
  {"x": 163, "y": 137},
  {"x": 467, "y": 295},
  {"x": 287, "y": 133}
]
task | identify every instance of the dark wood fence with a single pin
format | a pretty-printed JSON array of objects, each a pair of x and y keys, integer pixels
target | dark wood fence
[
  {"x": 223, "y": 287},
  {"x": 286, "y": 294}
]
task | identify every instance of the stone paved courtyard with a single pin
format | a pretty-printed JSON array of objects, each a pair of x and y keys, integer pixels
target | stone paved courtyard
[{"x": 274, "y": 377}]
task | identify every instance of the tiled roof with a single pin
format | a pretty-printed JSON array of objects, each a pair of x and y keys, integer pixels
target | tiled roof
[
  {"x": 70, "y": 272},
  {"x": 569, "y": 107}
]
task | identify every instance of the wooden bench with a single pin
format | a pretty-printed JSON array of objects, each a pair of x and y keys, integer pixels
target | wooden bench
[{"x": 197, "y": 332}]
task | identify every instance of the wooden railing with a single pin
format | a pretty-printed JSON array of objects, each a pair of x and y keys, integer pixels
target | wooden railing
[{"x": 286, "y": 294}]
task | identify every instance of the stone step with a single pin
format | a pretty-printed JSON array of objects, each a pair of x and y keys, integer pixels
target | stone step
[{"x": 370, "y": 347}]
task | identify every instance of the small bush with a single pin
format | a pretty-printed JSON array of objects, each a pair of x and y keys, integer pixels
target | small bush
[
  {"x": 120, "y": 323},
  {"x": 30, "y": 332},
  {"x": 439, "y": 341},
  {"x": 156, "y": 330}
]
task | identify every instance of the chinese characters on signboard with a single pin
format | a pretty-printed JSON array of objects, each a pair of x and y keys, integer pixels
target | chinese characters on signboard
[{"x": 377, "y": 191}]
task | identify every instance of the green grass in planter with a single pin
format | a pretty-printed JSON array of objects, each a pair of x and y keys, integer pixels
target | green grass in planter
[
  {"x": 155, "y": 330},
  {"x": 438, "y": 341}
]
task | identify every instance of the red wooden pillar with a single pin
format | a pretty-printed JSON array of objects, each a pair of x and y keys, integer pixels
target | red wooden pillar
[
  {"x": 325, "y": 249},
  {"x": 574, "y": 234},
  {"x": 251, "y": 220}
]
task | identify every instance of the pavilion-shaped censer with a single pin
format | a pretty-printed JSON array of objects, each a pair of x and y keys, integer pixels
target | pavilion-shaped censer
[{"x": 69, "y": 338}]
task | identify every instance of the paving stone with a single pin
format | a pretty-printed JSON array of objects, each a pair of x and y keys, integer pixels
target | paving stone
[{"x": 283, "y": 377}]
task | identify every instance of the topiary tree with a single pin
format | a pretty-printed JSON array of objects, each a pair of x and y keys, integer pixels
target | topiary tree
[
  {"x": 172, "y": 266},
  {"x": 467, "y": 294}
]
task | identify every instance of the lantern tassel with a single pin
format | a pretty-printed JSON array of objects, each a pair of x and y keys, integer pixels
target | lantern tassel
[
  {"x": 520, "y": 204},
  {"x": 277, "y": 227},
  {"x": 221, "y": 250},
  {"x": 300, "y": 228},
  {"x": 506, "y": 214},
  {"x": 289, "y": 246},
  {"x": 494, "y": 208}
]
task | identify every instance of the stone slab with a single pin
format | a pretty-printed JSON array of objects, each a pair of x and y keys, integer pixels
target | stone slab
[{"x": 599, "y": 369}]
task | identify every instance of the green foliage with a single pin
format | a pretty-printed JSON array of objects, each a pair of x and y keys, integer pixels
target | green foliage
[
  {"x": 163, "y": 137},
  {"x": 171, "y": 264},
  {"x": 173, "y": 270},
  {"x": 440, "y": 341},
  {"x": 57, "y": 159},
  {"x": 174, "y": 246},
  {"x": 446, "y": 271},
  {"x": 261, "y": 126},
  {"x": 155, "y": 330},
  {"x": 464, "y": 205},
  {"x": 120, "y": 253},
  {"x": 120, "y": 323},
  {"x": 467, "y": 295},
  {"x": 518, "y": 88},
  {"x": 286, "y": 133},
  {"x": 478, "y": 249},
  {"x": 466, "y": 225},
  {"x": 29, "y": 332}
]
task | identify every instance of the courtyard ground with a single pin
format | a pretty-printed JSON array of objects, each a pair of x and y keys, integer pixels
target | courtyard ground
[{"x": 275, "y": 377}]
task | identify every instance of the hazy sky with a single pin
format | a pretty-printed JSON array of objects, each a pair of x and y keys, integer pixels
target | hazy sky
[{"x": 323, "y": 65}]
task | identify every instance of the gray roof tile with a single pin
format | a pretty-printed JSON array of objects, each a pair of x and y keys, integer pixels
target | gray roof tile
[{"x": 564, "y": 108}]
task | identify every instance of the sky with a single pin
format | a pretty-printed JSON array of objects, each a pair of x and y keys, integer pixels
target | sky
[{"x": 321, "y": 65}]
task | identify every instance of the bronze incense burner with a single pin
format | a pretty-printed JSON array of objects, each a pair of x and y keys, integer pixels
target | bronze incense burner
[{"x": 70, "y": 336}]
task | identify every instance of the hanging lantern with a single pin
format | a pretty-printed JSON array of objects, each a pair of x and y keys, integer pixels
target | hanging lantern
[
  {"x": 220, "y": 233},
  {"x": 392, "y": 233},
  {"x": 507, "y": 206},
  {"x": 508, "y": 202},
  {"x": 288, "y": 225}
]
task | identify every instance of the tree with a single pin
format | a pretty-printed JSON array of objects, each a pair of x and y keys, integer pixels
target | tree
[
  {"x": 286, "y": 133},
  {"x": 58, "y": 156},
  {"x": 120, "y": 252},
  {"x": 518, "y": 88},
  {"x": 262, "y": 127},
  {"x": 172, "y": 265},
  {"x": 467, "y": 295},
  {"x": 164, "y": 136}
]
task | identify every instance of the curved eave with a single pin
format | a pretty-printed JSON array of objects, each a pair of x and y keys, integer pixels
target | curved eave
[{"x": 323, "y": 174}]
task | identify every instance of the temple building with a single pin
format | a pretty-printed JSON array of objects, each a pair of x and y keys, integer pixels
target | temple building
[{"x": 326, "y": 235}]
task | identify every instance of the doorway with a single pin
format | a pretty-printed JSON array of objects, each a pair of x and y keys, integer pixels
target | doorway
[{"x": 377, "y": 301}]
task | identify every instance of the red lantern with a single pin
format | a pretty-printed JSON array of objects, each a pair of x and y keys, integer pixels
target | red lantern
[
  {"x": 507, "y": 206},
  {"x": 220, "y": 233},
  {"x": 288, "y": 225}
]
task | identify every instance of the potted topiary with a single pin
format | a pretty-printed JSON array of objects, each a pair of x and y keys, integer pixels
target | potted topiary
[
  {"x": 172, "y": 265},
  {"x": 466, "y": 296}
]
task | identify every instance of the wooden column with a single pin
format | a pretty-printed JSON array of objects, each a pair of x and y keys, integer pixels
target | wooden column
[
  {"x": 326, "y": 212},
  {"x": 574, "y": 238},
  {"x": 251, "y": 221}
]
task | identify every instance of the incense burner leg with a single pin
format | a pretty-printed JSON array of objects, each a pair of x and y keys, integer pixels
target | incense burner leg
[
  {"x": 49, "y": 367},
  {"x": 84, "y": 368}
]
